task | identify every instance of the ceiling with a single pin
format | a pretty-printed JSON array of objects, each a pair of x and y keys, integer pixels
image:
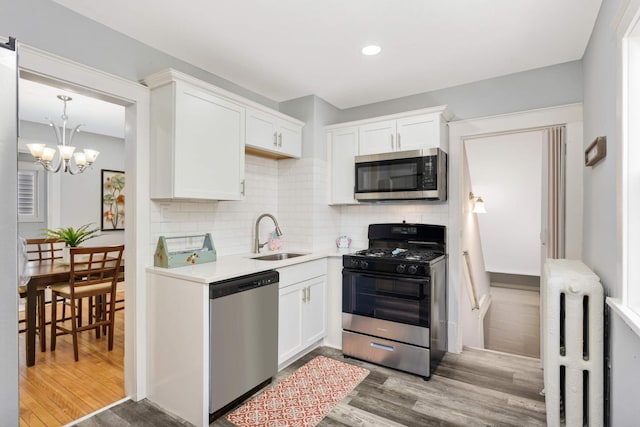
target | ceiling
[
  {"x": 284, "y": 49},
  {"x": 39, "y": 102}
]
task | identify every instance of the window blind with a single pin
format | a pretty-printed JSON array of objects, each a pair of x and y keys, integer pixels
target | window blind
[{"x": 27, "y": 194}]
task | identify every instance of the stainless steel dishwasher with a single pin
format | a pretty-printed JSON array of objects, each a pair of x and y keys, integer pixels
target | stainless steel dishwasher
[{"x": 243, "y": 343}]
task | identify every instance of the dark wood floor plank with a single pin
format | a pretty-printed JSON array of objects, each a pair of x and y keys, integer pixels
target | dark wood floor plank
[
  {"x": 352, "y": 416},
  {"x": 396, "y": 413},
  {"x": 487, "y": 381}
]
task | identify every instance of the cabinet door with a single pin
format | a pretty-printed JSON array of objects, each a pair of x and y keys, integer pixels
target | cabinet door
[
  {"x": 208, "y": 146},
  {"x": 417, "y": 132},
  {"x": 315, "y": 310},
  {"x": 266, "y": 132},
  {"x": 343, "y": 146},
  {"x": 290, "y": 139},
  {"x": 261, "y": 131},
  {"x": 379, "y": 137},
  {"x": 290, "y": 322}
]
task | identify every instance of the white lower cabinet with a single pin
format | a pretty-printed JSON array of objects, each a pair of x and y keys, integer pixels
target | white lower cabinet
[{"x": 302, "y": 315}]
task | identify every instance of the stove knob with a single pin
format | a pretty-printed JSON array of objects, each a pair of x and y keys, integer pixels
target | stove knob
[
  {"x": 354, "y": 263},
  {"x": 413, "y": 269},
  {"x": 364, "y": 265},
  {"x": 400, "y": 268}
]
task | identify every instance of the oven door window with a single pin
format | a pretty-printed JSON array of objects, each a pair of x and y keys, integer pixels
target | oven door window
[
  {"x": 403, "y": 300},
  {"x": 387, "y": 176}
]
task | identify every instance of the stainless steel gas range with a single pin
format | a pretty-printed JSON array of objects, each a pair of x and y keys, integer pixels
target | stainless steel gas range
[{"x": 394, "y": 298}]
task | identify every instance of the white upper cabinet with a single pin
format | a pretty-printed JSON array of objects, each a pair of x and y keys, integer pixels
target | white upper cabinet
[
  {"x": 197, "y": 140},
  {"x": 417, "y": 132},
  {"x": 343, "y": 147},
  {"x": 413, "y": 132},
  {"x": 378, "y": 137},
  {"x": 273, "y": 135},
  {"x": 199, "y": 134}
]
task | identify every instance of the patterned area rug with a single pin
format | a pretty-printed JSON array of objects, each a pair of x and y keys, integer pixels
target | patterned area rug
[{"x": 303, "y": 398}]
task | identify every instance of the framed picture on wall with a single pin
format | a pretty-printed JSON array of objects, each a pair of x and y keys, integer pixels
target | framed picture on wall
[{"x": 112, "y": 197}]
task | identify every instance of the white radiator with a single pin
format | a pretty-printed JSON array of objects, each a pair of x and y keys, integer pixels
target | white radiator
[{"x": 572, "y": 320}]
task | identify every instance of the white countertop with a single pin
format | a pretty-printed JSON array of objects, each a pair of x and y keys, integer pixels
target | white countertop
[{"x": 230, "y": 266}]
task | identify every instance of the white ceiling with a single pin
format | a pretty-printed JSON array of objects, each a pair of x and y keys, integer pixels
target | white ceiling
[
  {"x": 38, "y": 101},
  {"x": 284, "y": 49}
]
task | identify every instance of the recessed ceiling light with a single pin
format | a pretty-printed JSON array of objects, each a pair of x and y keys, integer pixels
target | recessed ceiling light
[{"x": 371, "y": 50}]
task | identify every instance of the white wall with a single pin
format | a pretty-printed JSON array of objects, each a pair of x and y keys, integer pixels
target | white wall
[
  {"x": 9, "y": 399},
  {"x": 461, "y": 131},
  {"x": 472, "y": 318},
  {"x": 506, "y": 170}
]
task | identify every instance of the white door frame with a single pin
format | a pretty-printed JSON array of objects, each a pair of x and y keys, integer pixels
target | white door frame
[
  {"x": 136, "y": 99},
  {"x": 460, "y": 131}
]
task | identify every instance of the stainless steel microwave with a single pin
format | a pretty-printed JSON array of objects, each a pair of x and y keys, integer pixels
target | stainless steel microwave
[{"x": 402, "y": 175}]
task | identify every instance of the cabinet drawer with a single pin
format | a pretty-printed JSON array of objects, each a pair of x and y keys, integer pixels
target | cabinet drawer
[{"x": 301, "y": 272}]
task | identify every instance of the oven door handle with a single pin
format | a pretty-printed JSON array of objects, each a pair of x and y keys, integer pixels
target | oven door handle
[{"x": 386, "y": 276}]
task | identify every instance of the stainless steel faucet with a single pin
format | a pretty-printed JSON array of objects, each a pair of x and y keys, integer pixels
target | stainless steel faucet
[{"x": 256, "y": 243}]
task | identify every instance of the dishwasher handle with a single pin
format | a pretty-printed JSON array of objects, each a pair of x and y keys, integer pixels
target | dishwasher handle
[{"x": 242, "y": 283}]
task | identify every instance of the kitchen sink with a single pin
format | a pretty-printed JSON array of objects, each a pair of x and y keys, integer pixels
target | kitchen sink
[{"x": 277, "y": 256}]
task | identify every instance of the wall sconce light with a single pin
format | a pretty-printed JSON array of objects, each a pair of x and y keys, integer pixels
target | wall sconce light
[{"x": 478, "y": 204}]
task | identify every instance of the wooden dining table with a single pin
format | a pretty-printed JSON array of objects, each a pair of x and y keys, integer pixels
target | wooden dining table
[{"x": 42, "y": 273}]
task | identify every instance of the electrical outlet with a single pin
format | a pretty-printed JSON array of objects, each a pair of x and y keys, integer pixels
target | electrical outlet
[{"x": 164, "y": 212}]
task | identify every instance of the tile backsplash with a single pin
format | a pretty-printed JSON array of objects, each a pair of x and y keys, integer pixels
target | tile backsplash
[
  {"x": 295, "y": 192},
  {"x": 230, "y": 223}
]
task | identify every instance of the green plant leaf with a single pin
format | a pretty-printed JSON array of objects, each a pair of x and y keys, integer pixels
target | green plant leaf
[{"x": 72, "y": 237}]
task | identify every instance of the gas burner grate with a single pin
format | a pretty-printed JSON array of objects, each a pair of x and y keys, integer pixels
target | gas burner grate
[
  {"x": 375, "y": 252},
  {"x": 400, "y": 254}
]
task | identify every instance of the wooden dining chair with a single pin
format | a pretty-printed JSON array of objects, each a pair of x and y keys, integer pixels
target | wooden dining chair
[
  {"x": 94, "y": 273},
  {"x": 41, "y": 249}
]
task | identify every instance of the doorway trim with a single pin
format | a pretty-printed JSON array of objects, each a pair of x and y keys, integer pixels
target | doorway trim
[
  {"x": 459, "y": 131},
  {"x": 135, "y": 97}
]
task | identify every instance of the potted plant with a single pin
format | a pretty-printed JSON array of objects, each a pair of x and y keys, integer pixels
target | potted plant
[{"x": 72, "y": 237}]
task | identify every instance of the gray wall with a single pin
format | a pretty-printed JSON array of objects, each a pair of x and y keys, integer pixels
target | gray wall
[
  {"x": 56, "y": 29},
  {"x": 316, "y": 113},
  {"x": 600, "y": 214},
  {"x": 80, "y": 195},
  {"x": 528, "y": 90}
]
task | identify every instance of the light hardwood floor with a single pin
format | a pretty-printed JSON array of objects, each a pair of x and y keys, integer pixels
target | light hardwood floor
[
  {"x": 475, "y": 388},
  {"x": 59, "y": 390}
]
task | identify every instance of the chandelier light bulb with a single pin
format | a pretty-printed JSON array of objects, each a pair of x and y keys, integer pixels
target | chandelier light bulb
[
  {"x": 44, "y": 155},
  {"x": 91, "y": 155},
  {"x": 48, "y": 153},
  {"x": 36, "y": 150},
  {"x": 81, "y": 159}
]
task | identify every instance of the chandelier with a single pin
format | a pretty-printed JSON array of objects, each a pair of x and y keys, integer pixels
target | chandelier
[{"x": 44, "y": 155}]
